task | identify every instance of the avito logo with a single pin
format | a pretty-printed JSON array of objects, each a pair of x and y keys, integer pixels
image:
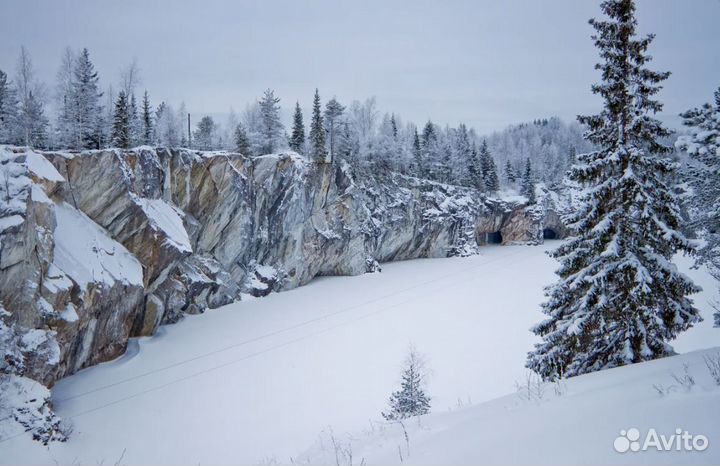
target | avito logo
[{"x": 681, "y": 440}]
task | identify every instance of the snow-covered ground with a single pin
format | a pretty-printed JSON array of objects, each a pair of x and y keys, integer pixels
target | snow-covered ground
[
  {"x": 259, "y": 381},
  {"x": 570, "y": 423}
]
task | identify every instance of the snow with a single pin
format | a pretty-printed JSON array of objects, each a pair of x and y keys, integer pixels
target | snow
[
  {"x": 85, "y": 252},
  {"x": 38, "y": 164},
  {"x": 27, "y": 402},
  {"x": 39, "y": 195},
  {"x": 34, "y": 339},
  {"x": 167, "y": 218},
  {"x": 56, "y": 280},
  {"x": 69, "y": 314},
  {"x": 11, "y": 221},
  {"x": 266, "y": 271},
  {"x": 549, "y": 429},
  {"x": 259, "y": 380}
]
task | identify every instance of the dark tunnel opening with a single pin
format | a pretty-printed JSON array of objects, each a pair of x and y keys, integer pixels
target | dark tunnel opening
[
  {"x": 493, "y": 238},
  {"x": 549, "y": 233}
]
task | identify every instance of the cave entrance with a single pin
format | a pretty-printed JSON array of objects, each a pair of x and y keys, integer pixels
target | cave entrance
[
  {"x": 493, "y": 238},
  {"x": 549, "y": 233}
]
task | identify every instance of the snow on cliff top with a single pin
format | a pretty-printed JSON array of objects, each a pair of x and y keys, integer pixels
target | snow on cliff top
[{"x": 85, "y": 252}]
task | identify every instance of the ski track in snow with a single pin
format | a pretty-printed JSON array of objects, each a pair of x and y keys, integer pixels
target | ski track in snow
[{"x": 262, "y": 378}]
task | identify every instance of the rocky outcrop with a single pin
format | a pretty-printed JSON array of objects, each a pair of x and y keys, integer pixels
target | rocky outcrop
[{"x": 100, "y": 246}]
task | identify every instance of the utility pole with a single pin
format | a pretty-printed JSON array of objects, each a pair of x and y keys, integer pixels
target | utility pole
[{"x": 189, "y": 143}]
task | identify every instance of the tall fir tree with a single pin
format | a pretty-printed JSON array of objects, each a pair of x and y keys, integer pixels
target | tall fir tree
[
  {"x": 430, "y": 149},
  {"x": 619, "y": 299},
  {"x": 147, "y": 120},
  {"x": 204, "y": 135},
  {"x": 271, "y": 127},
  {"x": 333, "y": 112},
  {"x": 411, "y": 399},
  {"x": 463, "y": 154},
  {"x": 348, "y": 144},
  {"x": 489, "y": 170},
  {"x": 135, "y": 122},
  {"x": 37, "y": 122},
  {"x": 297, "y": 138},
  {"x": 510, "y": 173},
  {"x": 242, "y": 143},
  {"x": 703, "y": 175},
  {"x": 527, "y": 187},
  {"x": 475, "y": 169},
  {"x": 445, "y": 167},
  {"x": 318, "y": 152},
  {"x": 393, "y": 126},
  {"x": 8, "y": 111},
  {"x": 121, "y": 122},
  {"x": 419, "y": 165},
  {"x": 86, "y": 101}
]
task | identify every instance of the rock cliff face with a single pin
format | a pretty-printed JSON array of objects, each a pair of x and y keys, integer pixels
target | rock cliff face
[{"x": 97, "y": 247}]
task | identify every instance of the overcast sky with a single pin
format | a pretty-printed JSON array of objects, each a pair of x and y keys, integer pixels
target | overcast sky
[{"x": 488, "y": 63}]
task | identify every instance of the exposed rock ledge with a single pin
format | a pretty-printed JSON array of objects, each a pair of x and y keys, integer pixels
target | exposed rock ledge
[{"x": 100, "y": 246}]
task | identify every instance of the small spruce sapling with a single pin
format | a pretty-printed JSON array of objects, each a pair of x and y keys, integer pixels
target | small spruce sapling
[{"x": 411, "y": 399}]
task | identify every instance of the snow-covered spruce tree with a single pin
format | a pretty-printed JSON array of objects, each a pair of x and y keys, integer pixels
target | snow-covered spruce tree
[
  {"x": 333, "y": 112},
  {"x": 204, "y": 135},
  {"x": 318, "y": 152},
  {"x": 297, "y": 138},
  {"x": 135, "y": 122},
  {"x": 242, "y": 144},
  {"x": 386, "y": 148},
  {"x": 619, "y": 299},
  {"x": 510, "y": 173},
  {"x": 86, "y": 101},
  {"x": 703, "y": 146},
  {"x": 147, "y": 120},
  {"x": 271, "y": 128},
  {"x": 489, "y": 170},
  {"x": 527, "y": 187},
  {"x": 36, "y": 123},
  {"x": 411, "y": 399},
  {"x": 475, "y": 169},
  {"x": 418, "y": 163},
  {"x": 348, "y": 144},
  {"x": 463, "y": 155},
  {"x": 444, "y": 169},
  {"x": 8, "y": 110},
  {"x": 121, "y": 122}
]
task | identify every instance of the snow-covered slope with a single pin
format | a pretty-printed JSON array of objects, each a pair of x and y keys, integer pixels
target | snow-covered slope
[
  {"x": 260, "y": 380},
  {"x": 87, "y": 255},
  {"x": 570, "y": 423}
]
